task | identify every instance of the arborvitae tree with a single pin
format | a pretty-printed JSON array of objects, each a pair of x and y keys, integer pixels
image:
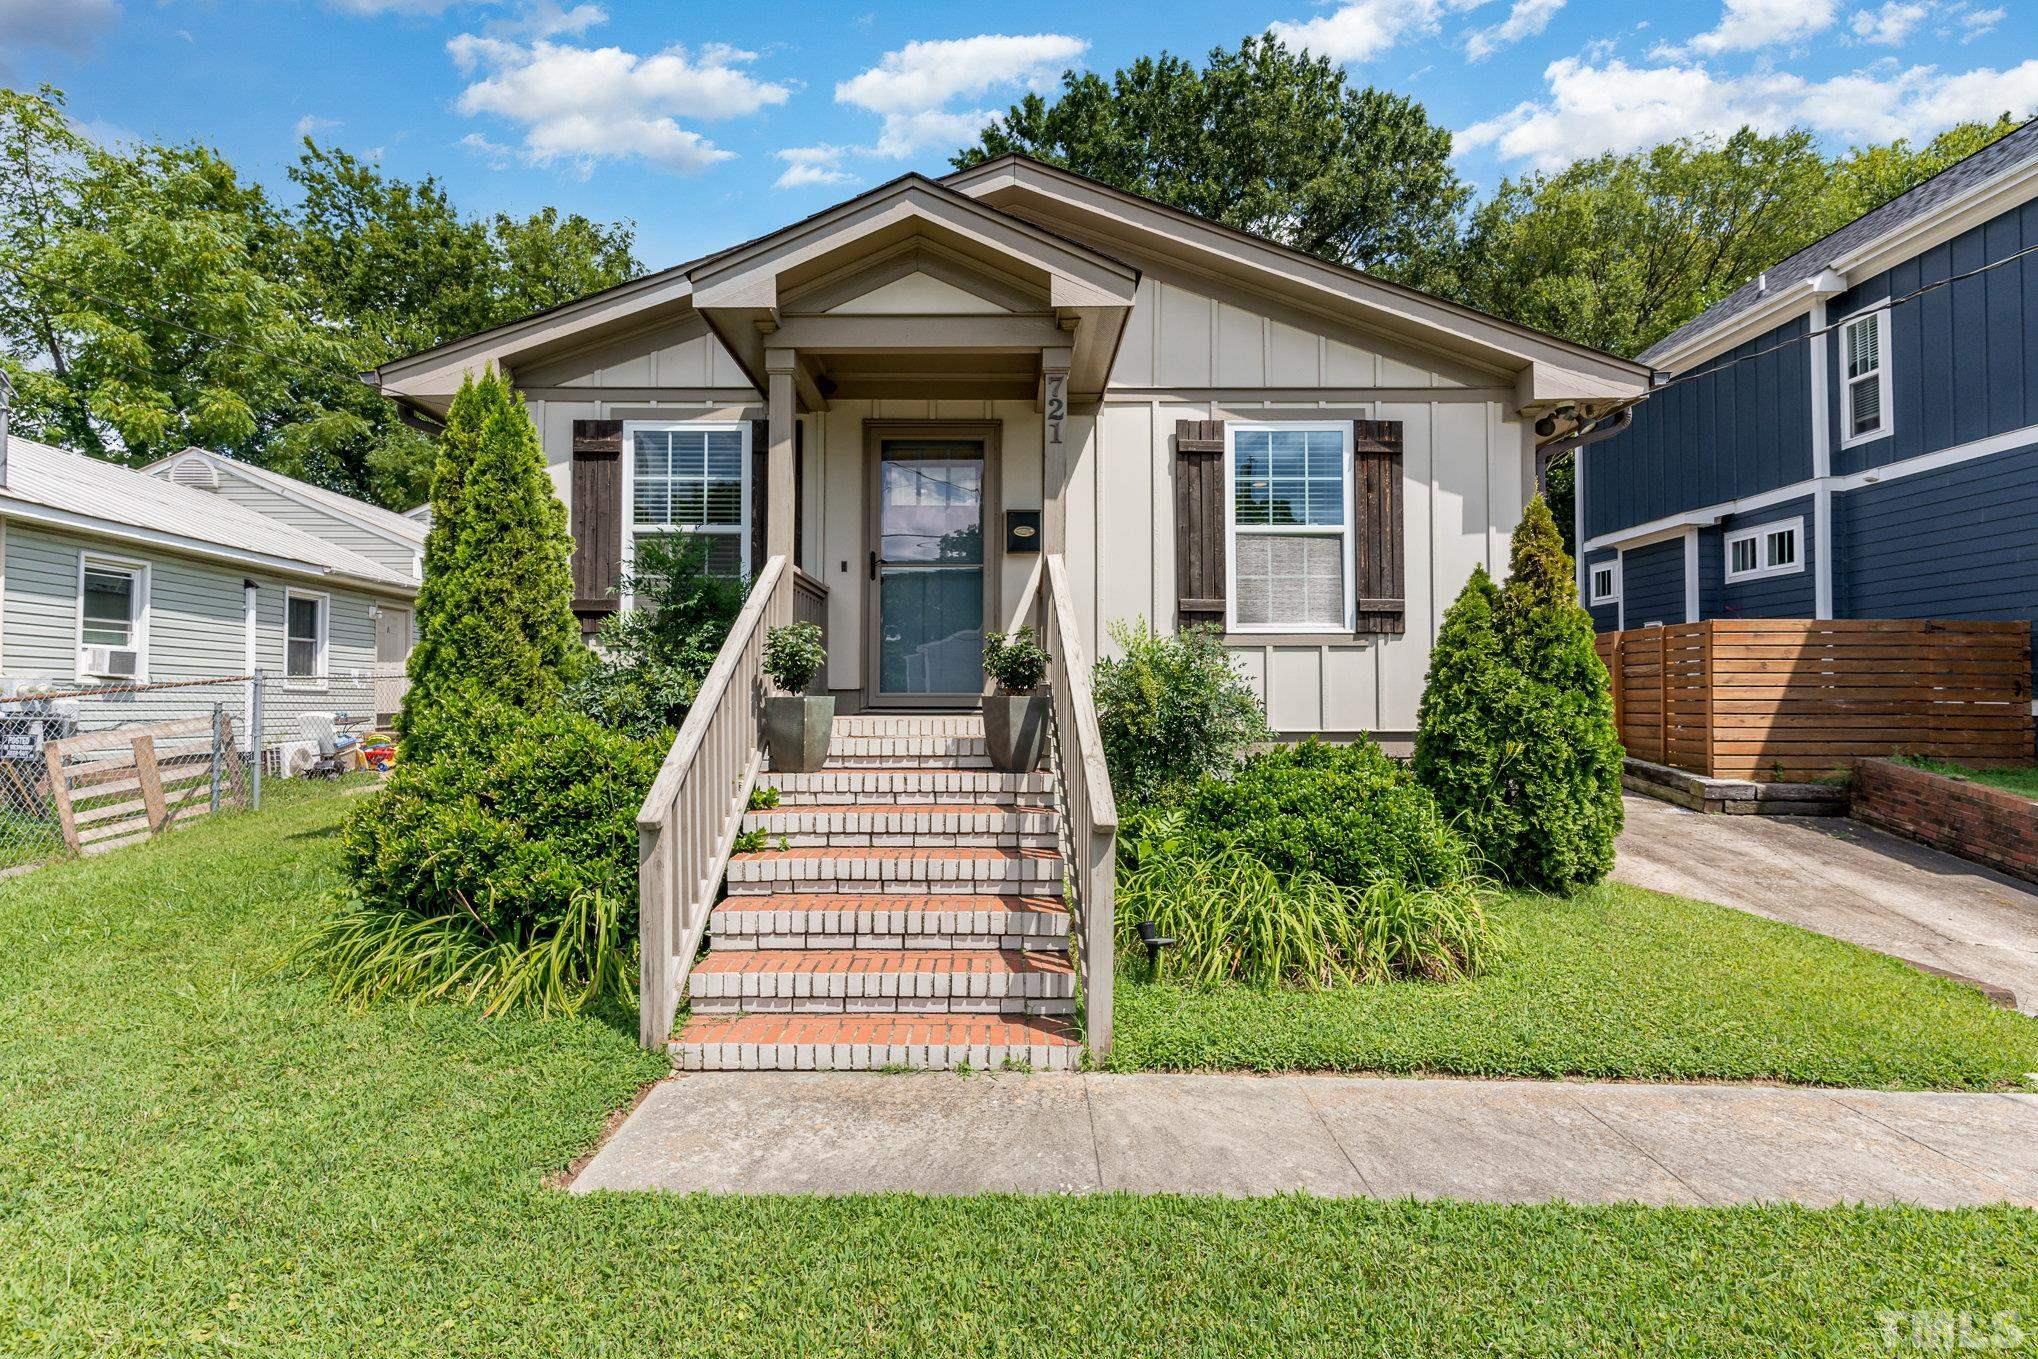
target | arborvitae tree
[
  {"x": 1459, "y": 755},
  {"x": 495, "y": 610},
  {"x": 1538, "y": 734}
]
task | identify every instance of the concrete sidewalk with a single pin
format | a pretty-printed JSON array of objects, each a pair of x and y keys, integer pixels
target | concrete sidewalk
[{"x": 1499, "y": 1141}]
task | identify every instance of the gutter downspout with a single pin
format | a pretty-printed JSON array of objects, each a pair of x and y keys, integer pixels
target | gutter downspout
[{"x": 6, "y": 403}]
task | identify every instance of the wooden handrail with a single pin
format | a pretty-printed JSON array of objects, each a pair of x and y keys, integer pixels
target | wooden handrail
[
  {"x": 688, "y": 823},
  {"x": 810, "y": 599},
  {"x": 1089, "y": 812}
]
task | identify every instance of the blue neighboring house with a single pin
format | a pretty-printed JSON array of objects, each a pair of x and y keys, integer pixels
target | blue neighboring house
[{"x": 1852, "y": 435}]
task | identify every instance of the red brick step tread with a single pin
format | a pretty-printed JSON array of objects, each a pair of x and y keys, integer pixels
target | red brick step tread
[
  {"x": 855, "y": 903},
  {"x": 889, "y": 1030},
  {"x": 956, "y": 852},
  {"x": 854, "y": 960}
]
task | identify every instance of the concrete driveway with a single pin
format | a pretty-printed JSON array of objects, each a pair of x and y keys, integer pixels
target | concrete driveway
[{"x": 1846, "y": 880}]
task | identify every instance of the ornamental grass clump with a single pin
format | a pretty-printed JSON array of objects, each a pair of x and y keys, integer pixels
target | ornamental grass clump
[{"x": 1233, "y": 918}]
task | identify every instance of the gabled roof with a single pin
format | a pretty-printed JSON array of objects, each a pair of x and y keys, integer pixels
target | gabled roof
[
  {"x": 1951, "y": 186},
  {"x": 373, "y": 518},
  {"x": 89, "y": 495},
  {"x": 1003, "y": 196}
]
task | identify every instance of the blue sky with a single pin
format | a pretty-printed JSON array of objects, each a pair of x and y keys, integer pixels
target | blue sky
[{"x": 707, "y": 124}]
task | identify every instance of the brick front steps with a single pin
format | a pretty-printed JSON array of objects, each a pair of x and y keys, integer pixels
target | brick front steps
[
  {"x": 907, "y": 912},
  {"x": 987, "y": 825},
  {"x": 897, "y": 868},
  {"x": 755, "y": 1042},
  {"x": 872, "y": 921},
  {"x": 973, "y": 981}
]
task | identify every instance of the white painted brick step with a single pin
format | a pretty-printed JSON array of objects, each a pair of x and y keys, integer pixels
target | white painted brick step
[
  {"x": 815, "y": 920},
  {"x": 898, "y": 869},
  {"x": 933, "y": 724},
  {"x": 883, "y": 981},
  {"x": 881, "y": 752},
  {"x": 908, "y": 823},
  {"x": 916, "y": 784},
  {"x": 874, "y": 1042}
]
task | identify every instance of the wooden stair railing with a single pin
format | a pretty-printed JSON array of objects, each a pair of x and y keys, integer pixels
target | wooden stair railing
[
  {"x": 1089, "y": 813},
  {"x": 690, "y": 818}
]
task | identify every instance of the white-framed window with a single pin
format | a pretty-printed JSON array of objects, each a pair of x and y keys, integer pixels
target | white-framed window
[
  {"x": 692, "y": 478},
  {"x": 113, "y": 618},
  {"x": 1766, "y": 550},
  {"x": 1288, "y": 501},
  {"x": 307, "y": 626},
  {"x": 1864, "y": 377},
  {"x": 1605, "y": 581}
]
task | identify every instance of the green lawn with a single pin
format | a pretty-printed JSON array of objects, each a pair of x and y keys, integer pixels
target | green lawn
[
  {"x": 200, "y": 1157},
  {"x": 1617, "y": 982},
  {"x": 2021, "y": 779}
]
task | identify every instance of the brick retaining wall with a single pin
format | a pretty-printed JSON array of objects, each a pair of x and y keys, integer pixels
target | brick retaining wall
[{"x": 1976, "y": 822}]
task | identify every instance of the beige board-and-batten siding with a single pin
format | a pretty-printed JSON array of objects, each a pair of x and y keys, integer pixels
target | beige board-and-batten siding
[
  {"x": 196, "y": 624},
  {"x": 1192, "y": 351}
]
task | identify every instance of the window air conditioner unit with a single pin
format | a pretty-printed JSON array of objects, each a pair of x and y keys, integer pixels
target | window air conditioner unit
[{"x": 112, "y": 662}]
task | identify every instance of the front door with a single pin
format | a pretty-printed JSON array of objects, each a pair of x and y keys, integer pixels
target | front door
[
  {"x": 927, "y": 573},
  {"x": 392, "y": 650}
]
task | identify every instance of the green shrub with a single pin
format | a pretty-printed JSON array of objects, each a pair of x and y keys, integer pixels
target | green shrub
[
  {"x": 1172, "y": 710},
  {"x": 1015, "y": 661},
  {"x": 1346, "y": 812},
  {"x": 1516, "y": 736},
  {"x": 495, "y": 608},
  {"x": 511, "y": 827},
  {"x": 649, "y": 662},
  {"x": 793, "y": 655},
  {"x": 1234, "y": 918}
]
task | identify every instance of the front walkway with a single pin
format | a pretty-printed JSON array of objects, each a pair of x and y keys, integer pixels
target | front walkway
[
  {"x": 1501, "y": 1141},
  {"x": 1844, "y": 879}
]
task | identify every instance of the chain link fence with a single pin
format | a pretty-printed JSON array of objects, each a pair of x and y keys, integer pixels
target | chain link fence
[{"x": 84, "y": 769}]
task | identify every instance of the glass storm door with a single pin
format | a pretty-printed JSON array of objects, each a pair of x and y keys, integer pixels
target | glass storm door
[{"x": 928, "y": 572}]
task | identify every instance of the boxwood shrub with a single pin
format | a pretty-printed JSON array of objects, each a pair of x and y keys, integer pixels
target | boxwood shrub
[{"x": 1347, "y": 812}]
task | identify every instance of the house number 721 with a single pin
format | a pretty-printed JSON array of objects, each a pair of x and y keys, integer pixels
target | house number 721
[{"x": 1057, "y": 405}]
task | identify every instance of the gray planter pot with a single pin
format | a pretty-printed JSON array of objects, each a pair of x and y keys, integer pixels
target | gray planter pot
[
  {"x": 797, "y": 731},
  {"x": 1015, "y": 730}
]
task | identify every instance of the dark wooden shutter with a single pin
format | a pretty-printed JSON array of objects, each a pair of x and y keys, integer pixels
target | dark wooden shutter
[
  {"x": 597, "y": 519},
  {"x": 760, "y": 485},
  {"x": 1377, "y": 511},
  {"x": 1199, "y": 522}
]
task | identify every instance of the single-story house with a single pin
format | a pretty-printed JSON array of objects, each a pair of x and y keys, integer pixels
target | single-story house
[
  {"x": 915, "y": 392},
  {"x": 112, "y": 577},
  {"x": 393, "y": 540},
  {"x": 1853, "y": 434}
]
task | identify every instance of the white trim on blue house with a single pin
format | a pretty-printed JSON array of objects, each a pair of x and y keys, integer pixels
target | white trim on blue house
[
  {"x": 1691, "y": 575},
  {"x": 1708, "y": 515},
  {"x": 1822, "y": 472},
  {"x": 1885, "y": 418},
  {"x": 1763, "y": 537}
]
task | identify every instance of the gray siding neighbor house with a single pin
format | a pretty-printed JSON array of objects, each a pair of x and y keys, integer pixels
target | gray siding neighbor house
[
  {"x": 113, "y": 577},
  {"x": 1854, "y": 434},
  {"x": 383, "y": 536}
]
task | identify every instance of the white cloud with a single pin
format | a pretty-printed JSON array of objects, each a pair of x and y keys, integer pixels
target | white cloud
[
  {"x": 809, "y": 165},
  {"x": 1362, "y": 29},
  {"x": 549, "y": 18},
  {"x": 1617, "y": 107},
  {"x": 583, "y": 105},
  {"x": 495, "y": 154},
  {"x": 311, "y": 123},
  {"x": 1889, "y": 25},
  {"x": 375, "y": 9},
  {"x": 1748, "y": 24},
  {"x": 911, "y": 87},
  {"x": 1976, "y": 22},
  {"x": 67, "y": 25},
  {"x": 1527, "y": 19}
]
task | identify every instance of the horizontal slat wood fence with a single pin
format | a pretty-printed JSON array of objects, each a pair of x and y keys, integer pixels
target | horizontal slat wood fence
[{"x": 1760, "y": 698}]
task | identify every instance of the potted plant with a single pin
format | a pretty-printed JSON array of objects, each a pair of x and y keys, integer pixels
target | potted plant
[
  {"x": 797, "y": 725},
  {"x": 1016, "y": 717}
]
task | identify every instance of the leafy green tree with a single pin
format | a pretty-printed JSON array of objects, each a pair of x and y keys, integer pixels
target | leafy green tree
[
  {"x": 1264, "y": 139},
  {"x": 1515, "y": 736},
  {"x": 1618, "y": 251},
  {"x": 138, "y": 310},
  {"x": 495, "y": 611}
]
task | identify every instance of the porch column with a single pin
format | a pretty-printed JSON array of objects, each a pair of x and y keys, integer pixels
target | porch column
[
  {"x": 1054, "y": 462},
  {"x": 779, "y": 368}
]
